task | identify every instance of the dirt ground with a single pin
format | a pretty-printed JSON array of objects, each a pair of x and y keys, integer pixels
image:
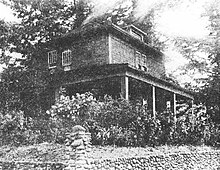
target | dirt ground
[{"x": 48, "y": 152}]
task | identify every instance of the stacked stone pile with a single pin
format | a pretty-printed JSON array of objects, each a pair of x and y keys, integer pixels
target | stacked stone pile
[{"x": 78, "y": 146}]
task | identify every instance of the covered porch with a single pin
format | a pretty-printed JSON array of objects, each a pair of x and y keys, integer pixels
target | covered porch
[{"x": 121, "y": 80}]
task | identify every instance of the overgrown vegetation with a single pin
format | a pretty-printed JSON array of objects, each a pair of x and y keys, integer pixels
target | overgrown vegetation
[
  {"x": 111, "y": 122},
  {"x": 24, "y": 88}
]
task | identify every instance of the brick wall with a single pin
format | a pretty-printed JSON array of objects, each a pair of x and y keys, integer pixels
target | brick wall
[
  {"x": 95, "y": 50},
  {"x": 89, "y": 51},
  {"x": 123, "y": 52},
  {"x": 156, "y": 68}
]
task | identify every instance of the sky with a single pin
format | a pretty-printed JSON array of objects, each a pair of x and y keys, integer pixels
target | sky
[
  {"x": 183, "y": 20},
  {"x": 6, "y": 13}
]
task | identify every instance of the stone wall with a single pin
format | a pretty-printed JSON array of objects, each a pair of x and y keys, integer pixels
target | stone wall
[
  {"x": 77, "y": 158},
  {"x": 31, "y": 166},
  {"x": 181, "y": 161}
]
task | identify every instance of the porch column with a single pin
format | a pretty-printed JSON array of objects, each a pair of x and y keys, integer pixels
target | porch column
[
  {"x": 154, "y": 100},
  {"x": 192, "y": 102},
  {"x": 174, "y": 106},
  {"x": 124, "y": 87},
  {"x": 58, "y": 91},
  {"x": 57, "y": 94}
]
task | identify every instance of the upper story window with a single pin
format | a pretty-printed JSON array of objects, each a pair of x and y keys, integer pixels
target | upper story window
[
  {"x": 66, "y": 58},
  {"x": 141, "y": 61},
  {"x": 145, "y": 69},
  {"x": 138, "y": 60},
  {"x": 144, "y": 58},
  {"x": 52, "y": 58}
]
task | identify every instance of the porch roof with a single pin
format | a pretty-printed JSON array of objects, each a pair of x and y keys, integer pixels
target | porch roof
[{"x": 96, "y": 72}]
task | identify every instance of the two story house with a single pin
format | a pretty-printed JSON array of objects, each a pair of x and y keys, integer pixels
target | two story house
[{"x": 107, "y": 59}]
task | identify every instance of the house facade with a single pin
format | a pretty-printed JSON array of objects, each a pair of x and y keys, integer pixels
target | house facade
[{"x": 107, "y": 59}]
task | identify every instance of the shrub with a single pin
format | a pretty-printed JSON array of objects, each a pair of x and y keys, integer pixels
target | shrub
[
  {"x": 111, "y": 122},
  {"x": 11, "y": 127},
  {"x": 119, "y": 122}
]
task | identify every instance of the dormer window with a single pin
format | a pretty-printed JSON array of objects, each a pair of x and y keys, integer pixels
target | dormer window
[
  {"x": 52, "y": 59},
  {"x": 136, "y": 35},
  {"x": 135, "y": 32},
  {"x": 66, "y": 58}
]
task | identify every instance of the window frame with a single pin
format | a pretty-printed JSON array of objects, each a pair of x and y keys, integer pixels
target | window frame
[
  {"x": 137, "y": 59},
  {"x": 145, "y": 69},
  {"x": 52, "y": 58},
  {"x": 66, "y": 58},
  {"x": 136, "y": 34},
  {"x": 144, "y": 59},
  {"x": 141, "y": 61}
]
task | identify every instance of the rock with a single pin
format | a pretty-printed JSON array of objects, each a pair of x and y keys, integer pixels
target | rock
[
  {"x": 77, "y": 143},
  {"x": 78, "y": 128}
]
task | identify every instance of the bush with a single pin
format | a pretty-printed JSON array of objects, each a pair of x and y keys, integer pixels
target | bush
[
  {"x": 110, "y": 122},
  {"x": 12, "y": 128}
]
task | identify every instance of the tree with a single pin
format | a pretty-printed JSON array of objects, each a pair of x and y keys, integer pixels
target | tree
[
  {"x": 211, "y": 90},
  {"x": 42, "y": 21},
  {"x": 5, "y": 33},
  {"x": 125, "y": 15},
  {"x": 204, "y": 58}
]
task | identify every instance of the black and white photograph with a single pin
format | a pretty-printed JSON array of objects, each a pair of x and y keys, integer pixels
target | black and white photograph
[{"x": 109, "y": 84}]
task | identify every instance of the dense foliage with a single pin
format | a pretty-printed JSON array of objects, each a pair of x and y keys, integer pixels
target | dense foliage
[
  {"x": 24, "y": 90},
  {"x": 204, "y": 62},
  {"x": 111, "y": 122},
  {"x": 25, "y": 83}
]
